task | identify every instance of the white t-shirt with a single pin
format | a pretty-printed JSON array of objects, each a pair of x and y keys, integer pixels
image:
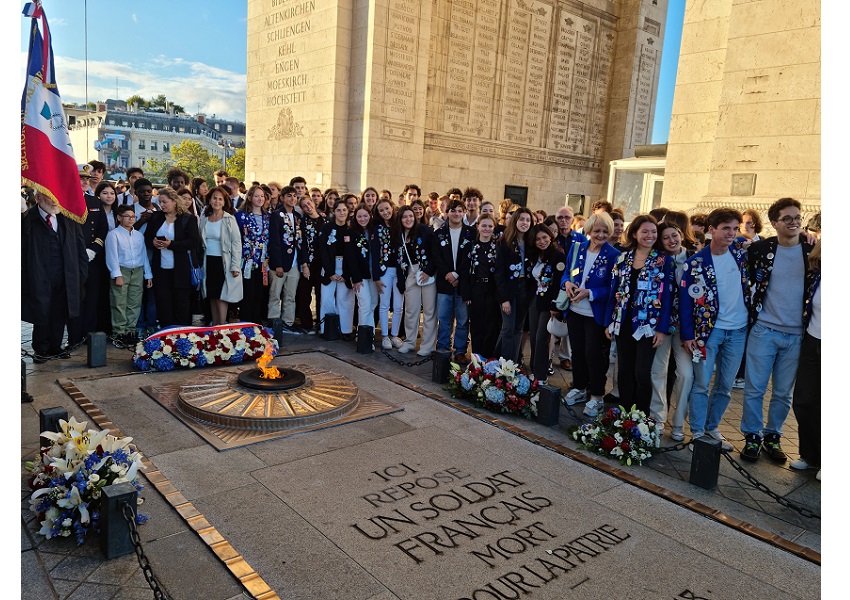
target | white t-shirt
[
  {"x": 582, "y": 307},
  {"x": 455, "y": 237},
  {"x": 166, "y": 260},
  {"x": 814, "y": 323},
  {"x": 733, "y": 312}
]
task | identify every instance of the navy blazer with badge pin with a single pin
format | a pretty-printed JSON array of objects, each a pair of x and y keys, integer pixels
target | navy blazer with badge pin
[
  {"x": 284, "y": 240},
  {"x": 441, "y": 253}
]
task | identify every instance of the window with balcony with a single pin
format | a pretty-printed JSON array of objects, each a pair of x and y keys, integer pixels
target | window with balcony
[
  {"x": 141, "y": 144},
  {"x": 153, "y": 145}
]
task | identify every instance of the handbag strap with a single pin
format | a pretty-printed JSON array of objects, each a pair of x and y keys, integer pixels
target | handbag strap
[{"x": 404, "y": 245}]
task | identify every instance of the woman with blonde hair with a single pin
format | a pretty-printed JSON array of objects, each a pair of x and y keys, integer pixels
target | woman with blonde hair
[{"x": 588, "y": 286}]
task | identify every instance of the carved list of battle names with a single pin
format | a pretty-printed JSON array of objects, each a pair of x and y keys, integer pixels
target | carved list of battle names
[
  {"x": 519, "y": 55},
  {"x": 285, "y": 28}
]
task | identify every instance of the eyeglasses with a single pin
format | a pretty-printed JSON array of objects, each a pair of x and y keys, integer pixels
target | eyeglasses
[
  {"x": 563, "y": 218},
  {"x": 787, "y": 219}
]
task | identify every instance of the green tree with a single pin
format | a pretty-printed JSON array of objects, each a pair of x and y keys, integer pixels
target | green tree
[
  {"x": 156, "y": 168},
  {"x": 162, "y": 101},
  {"x": 195, "y": 159},
  {"x": 138, "y": 100},
  {"x": 236, "y": 165}
]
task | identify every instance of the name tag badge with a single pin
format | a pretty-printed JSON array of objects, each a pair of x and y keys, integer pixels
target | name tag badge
[
  {"x": 642, "y": 315},
  {"x": 643, "y": 285}
]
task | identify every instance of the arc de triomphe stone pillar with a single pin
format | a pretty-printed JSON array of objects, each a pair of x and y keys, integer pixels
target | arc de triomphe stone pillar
[{"x": 450, "y": 93}]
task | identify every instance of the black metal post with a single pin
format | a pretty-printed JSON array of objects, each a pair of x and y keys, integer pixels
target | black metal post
[
  {"x": 705, "y": 463},
  {"x": 96, "y": 353},
  {"x": 331, "y": 327},
  {"x": 365, "y": 338},
  {"x": 115, "y": 537},
  {"x": 48, "y": 420},
  {"x": 442, "y": 366},
  {"x": 548, "y": 405}
]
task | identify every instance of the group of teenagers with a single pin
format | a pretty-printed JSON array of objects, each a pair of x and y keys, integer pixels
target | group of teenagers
[{"x": 472, "y": 273}]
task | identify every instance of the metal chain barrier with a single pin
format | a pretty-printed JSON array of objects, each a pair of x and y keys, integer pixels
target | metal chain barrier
[
  {"x": 144, "y": 563},
  {"x": 405, "y": 363},
  {"x": 803, "y": 511}
]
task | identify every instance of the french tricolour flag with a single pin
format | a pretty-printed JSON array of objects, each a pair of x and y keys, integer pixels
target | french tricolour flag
[{"x": 47, "y": 159}]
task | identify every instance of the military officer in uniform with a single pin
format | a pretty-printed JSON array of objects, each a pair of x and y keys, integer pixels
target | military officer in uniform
[{"x": 94, "y": 230}]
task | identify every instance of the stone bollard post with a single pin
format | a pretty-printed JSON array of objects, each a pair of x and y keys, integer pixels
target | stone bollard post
[
  {"x": 705, "y": 463},
  {"x": 96, "y": 352},
  {"x": 548, "y": 405},
  {"x": 48, "y": 420},
  {"x": 442, "y": 366},
  {"x": 115, "y": 537}
]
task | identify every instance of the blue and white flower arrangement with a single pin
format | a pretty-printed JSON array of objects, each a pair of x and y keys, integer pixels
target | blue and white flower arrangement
[{"x": 68, "y": 477}]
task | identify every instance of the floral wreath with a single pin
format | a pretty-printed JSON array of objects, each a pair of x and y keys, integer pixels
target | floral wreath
[
  {"x": 191, "y": 347},
  {"x": 496, "y": 384},
  {"x": 626, "y": 435}
]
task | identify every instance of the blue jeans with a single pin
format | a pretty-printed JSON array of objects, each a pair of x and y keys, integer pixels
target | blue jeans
[
  {"x": 769, "y": 352},
  {"x": 452, "y": 309},
  {"x": 725, "y": 347}
]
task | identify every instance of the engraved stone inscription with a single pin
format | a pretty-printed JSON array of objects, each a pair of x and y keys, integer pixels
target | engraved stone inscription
[
  {"x": 283, "y": 79},
  {"x": 524, "y": 73},
  {"x": 526, "y": 58},
  {"x": 496, "y": 518},
  {"x": 401, "y": 62},
  {"x": 643, "y": 97}
]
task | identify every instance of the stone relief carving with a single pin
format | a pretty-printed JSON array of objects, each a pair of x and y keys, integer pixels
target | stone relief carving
[{"x": 286, "y": 127}]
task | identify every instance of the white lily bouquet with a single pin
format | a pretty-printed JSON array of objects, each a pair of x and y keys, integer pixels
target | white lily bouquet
[{"x": 67, "y": 478}]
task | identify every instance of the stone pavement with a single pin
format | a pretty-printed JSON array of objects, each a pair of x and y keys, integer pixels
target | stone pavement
[{"x": 322, "y": 515}]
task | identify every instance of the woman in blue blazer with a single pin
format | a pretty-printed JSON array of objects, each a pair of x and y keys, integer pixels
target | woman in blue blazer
[
  {"x": 588, "y": 285},
  {"x": 639, "y": 308}
]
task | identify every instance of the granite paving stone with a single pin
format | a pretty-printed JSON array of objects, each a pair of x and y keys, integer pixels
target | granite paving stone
[
  {"x": 294, "y": 556},
  {"x": 322, "y": 515}
]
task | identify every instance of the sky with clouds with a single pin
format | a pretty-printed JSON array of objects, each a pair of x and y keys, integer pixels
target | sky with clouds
[{"x": 194, "y": 53}]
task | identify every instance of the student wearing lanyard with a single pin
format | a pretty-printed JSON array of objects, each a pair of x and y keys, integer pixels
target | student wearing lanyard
[
  {"x": 638, "y": 311},
  {"x": 337, "y": 292},
  {"x": 512, "y": 267}
]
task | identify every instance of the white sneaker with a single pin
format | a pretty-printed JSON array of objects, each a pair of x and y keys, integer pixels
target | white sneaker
[
  {"x": 396, "y": 341},
  {"x": 592, "y": 408},
  {"x": 801, "y": 464},
  {"x": 405, "y": 348},
  {"x": 386, "y": 344},
  {"x": 724, "y": 443},
  {"x": 575, "y": 396},
  {"x": 678, "y": 434},
  {"x": 423, "y": 352},
  {"x": 739, "y": 383}
]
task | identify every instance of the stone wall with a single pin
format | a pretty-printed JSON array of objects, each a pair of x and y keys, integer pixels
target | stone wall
[
  {"x": 448, "y": 93},
  {"x": 745, "y": 128}
]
